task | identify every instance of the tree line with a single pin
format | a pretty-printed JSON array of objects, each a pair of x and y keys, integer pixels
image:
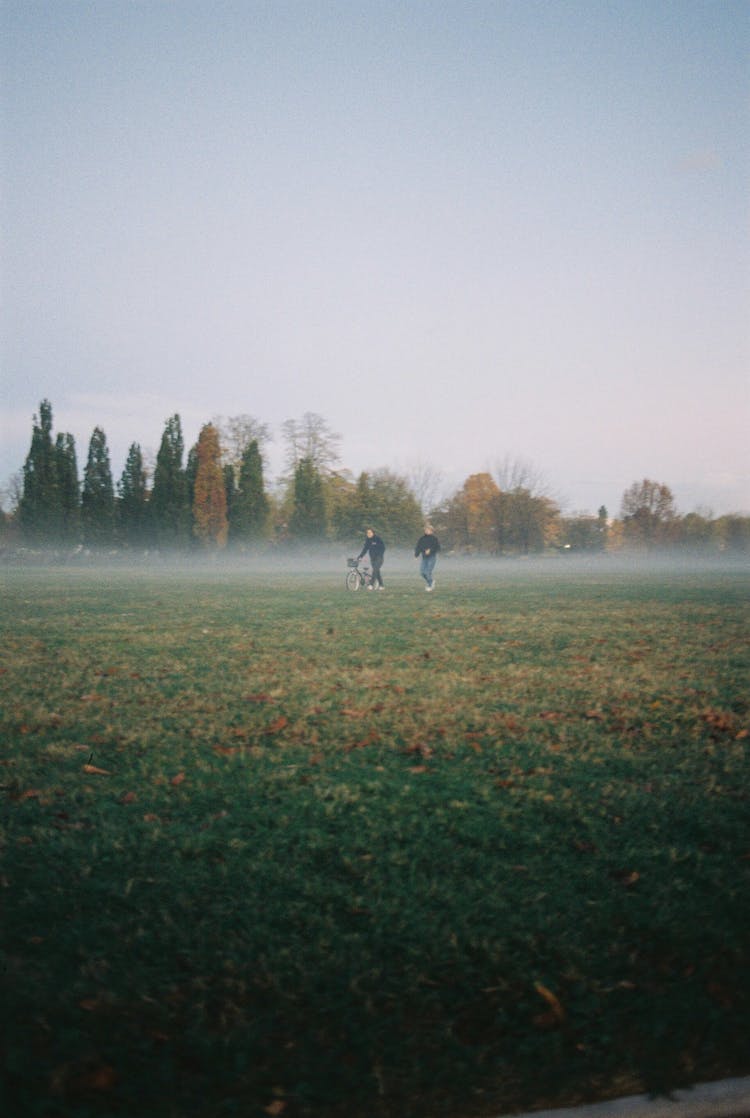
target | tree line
[{"x": 217, "y": 496}]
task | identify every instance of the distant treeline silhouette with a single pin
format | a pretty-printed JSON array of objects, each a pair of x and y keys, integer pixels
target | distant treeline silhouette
[{"x": 217, "y": 496}]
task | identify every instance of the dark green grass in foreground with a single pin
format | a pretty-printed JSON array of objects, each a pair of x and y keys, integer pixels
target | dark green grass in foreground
[{"x": 368, "y": 854}]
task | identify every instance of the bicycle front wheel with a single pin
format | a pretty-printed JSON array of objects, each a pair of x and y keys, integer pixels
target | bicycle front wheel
[{"x": 352, "y": 580}]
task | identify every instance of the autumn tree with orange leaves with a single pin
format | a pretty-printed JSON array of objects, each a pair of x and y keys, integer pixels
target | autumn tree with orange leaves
[
  {"x": 210, "y": 523},
  {"x": 481, "y": 494}
]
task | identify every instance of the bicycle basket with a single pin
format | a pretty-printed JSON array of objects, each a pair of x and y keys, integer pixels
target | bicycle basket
[{"x": 351, "y": 562}]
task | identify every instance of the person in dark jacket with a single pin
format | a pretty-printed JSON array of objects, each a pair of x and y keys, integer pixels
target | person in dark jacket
[
  {"x": 427, "y": 547},
  {"x": 375, "y": 547}
]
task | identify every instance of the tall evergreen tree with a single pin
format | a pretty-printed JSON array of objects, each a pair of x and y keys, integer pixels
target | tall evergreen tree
[
  {"x": 132, "y": 507},
  {"x": 98, "y": 496},
  {"x": 210, "y": 499},
  {"x": 250, "y": 506},
  {"x": 382, "y": 500},
  {"x": 191, "y": 473},
  {"x": 38, "y": 510},
  {"x": 308, "y": 519},
  {"x": 169, "y": 509},
  {"x": 68, "y": 489},
  {"x": 230, "y": 489}
]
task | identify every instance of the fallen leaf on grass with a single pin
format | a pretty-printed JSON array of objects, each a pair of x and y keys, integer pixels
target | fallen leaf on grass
[
  {"x": 226, "y": 750},
  {"x": 555, "y": 1015},
  {"x": 719, "y": 720},
  {"x": 102, "y": 1078},
  {"x": 85, "y": 1076},
  {"x": 419, "y": 748},
  {"x": 178, "y": 779},
  {"x": 278, "y": 724},
  {"x": 372, "y": 739},
  {"x": 90, "y": 1005},
  {"x": 278, "y": 1106},
  {"x": 473, "y": 743},
  {"x": 262, "y": 697},
  {"x": 626, "y": 877},
  {"x": 94, "y": 770}
]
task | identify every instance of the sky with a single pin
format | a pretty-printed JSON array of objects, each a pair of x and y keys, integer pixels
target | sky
[{"x": 465, "y": 233}]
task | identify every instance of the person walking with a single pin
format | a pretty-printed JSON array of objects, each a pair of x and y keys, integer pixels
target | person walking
[
  {"x": 428, "y": 546},
  {"x": 376, "y": 549}
]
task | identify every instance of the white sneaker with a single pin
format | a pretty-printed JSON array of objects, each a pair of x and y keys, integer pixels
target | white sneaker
[{"x": 428, "y": 589}]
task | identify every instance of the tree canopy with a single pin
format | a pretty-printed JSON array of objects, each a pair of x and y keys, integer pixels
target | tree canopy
[
  {"x": 210, "y": 523},
  {"x": 220, "y": 496}
]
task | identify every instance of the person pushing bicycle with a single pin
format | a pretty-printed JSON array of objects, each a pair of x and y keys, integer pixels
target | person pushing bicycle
[{"x": 375, "y": 547}]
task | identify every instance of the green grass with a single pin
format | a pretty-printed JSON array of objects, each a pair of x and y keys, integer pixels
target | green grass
[{"x": 371, "y": 855}]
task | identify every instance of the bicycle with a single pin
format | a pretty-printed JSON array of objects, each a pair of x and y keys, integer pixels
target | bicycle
[{"x": 356, "y": 576}]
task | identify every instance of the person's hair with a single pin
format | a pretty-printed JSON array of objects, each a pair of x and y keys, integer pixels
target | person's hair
[{"x": 428, "y": 528}]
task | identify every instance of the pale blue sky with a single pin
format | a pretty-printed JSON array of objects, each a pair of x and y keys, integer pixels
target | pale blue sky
[{"x": 460, "y": 231}]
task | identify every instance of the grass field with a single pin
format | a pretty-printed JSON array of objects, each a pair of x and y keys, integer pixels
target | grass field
[{"x": 269, "y": 847}]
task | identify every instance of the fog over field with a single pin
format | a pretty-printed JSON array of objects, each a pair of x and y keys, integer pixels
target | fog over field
[{"x": 318, "y": 562}]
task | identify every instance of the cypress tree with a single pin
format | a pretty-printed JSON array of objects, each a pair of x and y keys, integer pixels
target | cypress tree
[
  {"x": 98, "y": 497},
  {"x": 249, "y": 510},
  {"x": 169, "y": 509},
  {"x": 131, "y": 500},
  {"x": 38, "y": 508},
  {"x": 191, "y": 473},
  {"x": 68, "y": 489},
  {"x": 308, "y": 520},
  {"x": 209, "y": 499},
  {"x": 230, "y": 489}
]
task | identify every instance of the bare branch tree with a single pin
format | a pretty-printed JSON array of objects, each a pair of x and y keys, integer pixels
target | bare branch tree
[
  {"x": 11, "y": 493},
  {"x": 311, "y": 439},
  {"x": 235, "y": 435},
  {"x": 426, "y": 483},
  {"x": 513, "y": 474}
]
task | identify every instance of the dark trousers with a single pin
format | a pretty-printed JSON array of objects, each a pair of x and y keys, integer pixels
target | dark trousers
[{"x": 376, "y": 576}]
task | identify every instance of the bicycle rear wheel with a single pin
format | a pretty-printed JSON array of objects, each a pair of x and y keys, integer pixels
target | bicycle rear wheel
[{"x": 352, "y": 580}]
